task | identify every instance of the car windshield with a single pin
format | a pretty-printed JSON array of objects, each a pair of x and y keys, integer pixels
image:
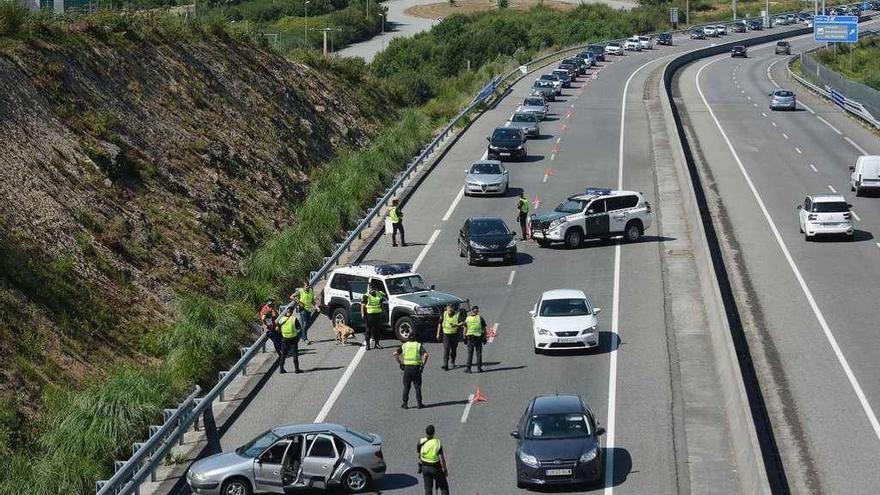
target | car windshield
[
  {"x": 784, "y": 94},
  {"x": 561, "y": 72},
  {"x": 614, "y": 45},
  {"x": 406, "y": 285},
  {"x": 524, "y": 117},
  {"x": 548, "y": 426},
  {"x": 782, "y": 43},
  {"x": 830, "y": 207},
  {"x": 549, "y": 77},
  {"x": 488, "y": 226},
  {"x": 486, "y": 169},
  {"x": 256, "y": 446},
  {"x": 543, "y": 84},
  {"x": 564, "y": 307},
  {"x": 505, "y": 134},
  {"x": 571, "y": 206},
  {"x": 533, "y": 102}
]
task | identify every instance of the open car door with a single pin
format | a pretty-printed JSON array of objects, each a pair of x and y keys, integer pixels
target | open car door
[
  {"x": 320, "y": 461},
  {"x": 267, "y": 468}
]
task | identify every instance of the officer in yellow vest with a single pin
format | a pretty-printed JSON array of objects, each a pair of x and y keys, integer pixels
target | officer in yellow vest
[
  {"x": 522, "y": 212},
  {"x": 395, "y": 214},
  {"x": 371, "y": 313},
  {"x": 290, "y": 330},
  {"x": 412, "y": 357},
  {"x": 475, "y": 335},
  {"x": 432, "y": 462},
  {"x": 304, "y": 297},
  {"x": 450, "y": 326}
]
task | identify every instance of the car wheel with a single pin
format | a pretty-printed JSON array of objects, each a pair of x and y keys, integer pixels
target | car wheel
[
  {"x": 236, "y": 486},
  {"x": 520, "y": 484},
  {"x": 404, "y": 328},
  {"x": 340, "y": 315},
  {"x": 633, "y": 232},
  {"x": 858, "y": 190},
  {"x": 537, "y": 351},
  {"x": 852, "y": 187},
  {"x": 460, "y": 251},
  {"x": 574, "y": 238},
  {"x": 542, "y": 242},
  {"x": 851, "y": 237},
  {"x": 356, "y": 481}
]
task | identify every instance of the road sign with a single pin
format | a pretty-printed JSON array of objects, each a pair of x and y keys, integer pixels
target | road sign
[
  {"x": 836, "y": 28},
  {"x": 673, "y": 15}
]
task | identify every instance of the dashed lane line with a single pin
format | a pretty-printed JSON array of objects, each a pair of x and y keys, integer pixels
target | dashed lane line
[
  {"x": 454, "y": 204},
  {"x": 763, "y": 114},
  {"x": 510, "y": 279},
  {"x": 425, "y": 249},
  {"x": 807, "y": 108},
  {"x": 467, "y": 408},
  {"x": 814, "y": 168},
  {"x": 831, "y": 188},
  {"x": 835, "y": 129},
  {"x": 774, "y": 124},
  {"x": 855, "y": 145},
  {"x": 798, "y": 150},
  {"x": 855, "y": 216},
  {"x": 785, "y": 135}
]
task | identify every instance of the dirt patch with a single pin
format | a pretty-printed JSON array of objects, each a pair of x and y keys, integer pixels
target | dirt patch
[{"x": 444, "y": 9}]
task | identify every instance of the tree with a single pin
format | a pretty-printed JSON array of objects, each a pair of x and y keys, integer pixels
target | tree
[{"x": 503, "y": 4}]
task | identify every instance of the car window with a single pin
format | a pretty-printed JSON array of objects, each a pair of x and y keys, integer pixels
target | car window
[
  {"x": 486, "y": 168},
  {"x": 597, "y": 206},
  {"x": 533, "y": 102},
  {"x": 549, "y": 77},
  {"x": 322, "y": 447},
  {"x": 406, "y": 285},
  {"x": 256, "y": 446},
  {"x": 339, "y": 281},
  {"x": 829, "y": 207},
  {"x": 571, "y": 206},
  {"x": 356, "y": 281},
  {"x": 523, "y": 117},
  {"x": 564, "y": 307},
  {"x": 782, "y": 43},
  {"x": 547, "y": 426},
  {"x": 505, "y": 134},
  {"x": 622, "y": 202},
  {"x": 275, "y": 453},
  {"x": 491, "y": 226},
  {"x": 783, "y": 93}
]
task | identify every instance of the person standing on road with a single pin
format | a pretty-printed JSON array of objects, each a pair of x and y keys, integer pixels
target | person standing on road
[
  {"x": 290, "y": 330},
  {"x": 371, "y": 313},
  {"x": 475, "y": 335},
  {"x": 412, "y": 357},
  {"x": 522, "y": 212},
  {"x": 267, "y": 319},
  {"x": 304, "y": 297},
  {"x": 395, "y": 214},
  {"x": 450, "y": 324},
  {"x": 432, "y": 462}
]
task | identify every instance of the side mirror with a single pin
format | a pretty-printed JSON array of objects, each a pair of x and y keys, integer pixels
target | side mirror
[
  {"x": 852, "y": 168},
  {"x": 800, "y": 207},
  {"x": 600, "y": 431},
  {"x": 597, "y": 311},
  {"x": 488, "y": 138},
  {"x": 513, "y": 234},
  {"x": 432, "y": 286},
  {"x": 532, "y": 312},
  {"x": 514, "y": 434},
  {"x": 848, "y": 205}
]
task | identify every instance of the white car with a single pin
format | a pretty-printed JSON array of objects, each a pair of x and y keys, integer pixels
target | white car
[
  {"x": 865, "y": 174},
  {"x": 632, "y": 44},
  {"x": 710, "y": 31},
  {"x": 825, "y": 214},
  {"x": 614, "y": 48},
  {"x": 564, "y": 319},
  {"x": 721, "y": 29},
  {"x": 646, "y": 43}
]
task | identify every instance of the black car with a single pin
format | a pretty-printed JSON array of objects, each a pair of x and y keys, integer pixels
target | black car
[
  {"x": 598, "y": 51},
  {"x": 558, "y": 443},
  {"x": 738, "y": 51},
  {"x": 664, "y": 39},
  {"x": 486, "y": 239},
  {"x": 580, "y": 63},
  {"x": 507, "y": 143},
  {"x": 756, "y": 25},
  {"x": 697, "y": 34},
  {"x": 573, "y": 70}
]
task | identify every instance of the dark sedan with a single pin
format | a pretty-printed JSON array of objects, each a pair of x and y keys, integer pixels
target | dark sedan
[
  {"x": 738, "y": 51},
  {"x": 507, "y": 143},
  {"x": 558, "y": 443},
  {"x": 664, "y": 39},
  {"x": 486, "y": 239}
]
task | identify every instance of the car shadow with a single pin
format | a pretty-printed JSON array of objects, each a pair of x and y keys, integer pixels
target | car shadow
[
  {"x": 502, "y": 368},
  {"x": 550, "y": 119},
  {"x": 523, "y": 259},
  {"x": 396, "y": 481},
  {"x": 446, "y": 403},
  {"x": 858, "y": 236},
  {"x": 323, "y": 368},
  {"x": 593, "y": 243},
  {"x": 622, "y": 468},
  {"x": 608, "y": 341},
  {"x": 541, "y": 137},
  {"x": 512, "y": 192},
  {"x": 869, "y": 193},
  {"x": 531, "y": 159}
]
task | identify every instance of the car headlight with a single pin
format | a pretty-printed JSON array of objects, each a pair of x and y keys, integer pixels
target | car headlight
[
  {"x": 199, "y": 476},
  {"x": 477, "y": 245},
  {"x": 528, "y": 459},
  {"x": 588, "y": 331},
  {"x": 423, "y": 310},
  {"x": 520, "y": 147},
  {"x": 511, "y": 243},
  {"x": 556, "y": 223},
  {"x": 493, "y": 147},
  {"x": 541, "y": 331},
  {"x": 588, "y": 455}
]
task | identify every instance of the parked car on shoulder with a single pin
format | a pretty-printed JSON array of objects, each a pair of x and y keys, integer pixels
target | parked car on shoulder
[
  {"x": 865, "y": 174},
  {"x": 664, "y": 39},
  {"x": 825, "y": 215}
]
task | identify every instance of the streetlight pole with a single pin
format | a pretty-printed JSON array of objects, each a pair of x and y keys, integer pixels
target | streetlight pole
[
  {"x": 307, "y": 22},
  {"x": 383, "y": 30}
]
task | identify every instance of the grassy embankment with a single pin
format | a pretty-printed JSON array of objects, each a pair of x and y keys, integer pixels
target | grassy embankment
[
  {"x": 82, "y": 431},
  {"x": 859, "y": 63}
]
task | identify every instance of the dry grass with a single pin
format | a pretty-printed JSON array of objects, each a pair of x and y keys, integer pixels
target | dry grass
[{"x": 443, "y": 9}]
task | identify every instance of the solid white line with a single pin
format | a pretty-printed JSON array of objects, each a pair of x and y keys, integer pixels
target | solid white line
[
  {"x": 485, "y": 155},
  {"x": 785, "y": 135},
  {"x": 856, "y": 146},
  {"x": 768, "y": 72},
  {"x": 545, "y": 178},
  {"x": 512, "y": 274},
  {"x": 425, "y": 249},
  {"x": 454, "y": 204},
  {"x": 829, "y": 125},
  {"x": 855, "y": 216},
  {"x": 467, "y": 408},
  {"x": 340, "y": 385},
  {"x": 749, "y": 98},
  {"x": 832, "y": 341},
  {"x": 832, "y": 189},
  {"x": 814, "y": 168},
  {"x": 798, "y": 150},
  {"x": 807, "y": 108}
]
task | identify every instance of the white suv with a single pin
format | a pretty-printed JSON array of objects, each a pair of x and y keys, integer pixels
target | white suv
[
  {"x": 599, "y": 213},
  {"x": 632, "y": 44},
  {"x": 825, "y": 214},
  {"x": 413, "y": 306}
]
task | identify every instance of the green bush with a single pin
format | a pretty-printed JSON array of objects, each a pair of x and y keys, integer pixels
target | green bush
[{"x": 12, "y": 17}]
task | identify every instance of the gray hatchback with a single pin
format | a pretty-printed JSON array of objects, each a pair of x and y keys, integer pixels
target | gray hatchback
[
  {"x": 783, "y": 99},
  {"x": 293, "y": 458}
]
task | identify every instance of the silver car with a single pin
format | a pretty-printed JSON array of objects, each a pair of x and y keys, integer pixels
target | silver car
[
  {"x": 293, "y": 458},
  {"x": 544, "y": 89},
  {"x": 536, "y": 105},
  {"x": 553, "y": 78},
  {"x": 486, "y": 177},
  {"x": 527, "y": 121},
  {"x": 783, "y": 99}
]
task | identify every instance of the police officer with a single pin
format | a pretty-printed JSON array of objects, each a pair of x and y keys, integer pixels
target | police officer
[
  {"x": 432, "y": 462},
  {"x": 475, "y": 335},
  {"x": 450, "y": 324},
  {"x": 395, "y": 214},
  {"x": 371, "y": 313},
  {"x": 412, "y": 357},
  {"x": 304, "y": 297},
  {"x": 522, "y": 212},
  {"x": 290, "y": 330}
]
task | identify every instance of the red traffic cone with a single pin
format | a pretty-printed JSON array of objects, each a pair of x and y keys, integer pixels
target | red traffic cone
[{"x": 479, "y": 397}]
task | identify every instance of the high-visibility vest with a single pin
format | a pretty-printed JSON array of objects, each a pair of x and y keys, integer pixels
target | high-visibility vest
[
  {"x": 290, "y": 327},
  {"x": 429, "y": 453},
  {"x": 523, "y": 205},
  {"x": 307, "y": 298},
  {"x": 392, "y": 214},
  {"x": 450, "y": 323},
  {"x": 474, "y": 325},
  {"x": 412, "y": 353},
  {"x": 374, "y": 303}
]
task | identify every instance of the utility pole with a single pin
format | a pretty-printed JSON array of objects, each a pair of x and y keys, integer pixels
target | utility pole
[
  {"x": 383, "y": 30},
  {"x": 687, "y": 12},
  {"x": 307, "y": 22},
  {"x": 734, "y": 10}
]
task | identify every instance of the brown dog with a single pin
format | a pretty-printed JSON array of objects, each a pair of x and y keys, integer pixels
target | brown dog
[{"x": 343, "y": 333}]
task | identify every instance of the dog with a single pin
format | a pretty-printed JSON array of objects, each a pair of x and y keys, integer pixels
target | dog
[{"x": 343, "y": 333}]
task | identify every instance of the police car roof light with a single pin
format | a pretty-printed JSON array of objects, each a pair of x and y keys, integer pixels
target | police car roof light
[
  {"x": 393, "y": 268},
  {"x": 598, "y": 191}
]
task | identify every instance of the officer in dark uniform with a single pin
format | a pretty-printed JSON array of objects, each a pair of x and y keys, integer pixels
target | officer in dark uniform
[{"x": 412, "y": 357}]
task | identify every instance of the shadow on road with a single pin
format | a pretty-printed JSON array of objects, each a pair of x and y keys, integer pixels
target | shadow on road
[
  {"x": 608, "y": 341},
  {"x": 395, "y": 481},
  {"x": 593, "y": 243}
]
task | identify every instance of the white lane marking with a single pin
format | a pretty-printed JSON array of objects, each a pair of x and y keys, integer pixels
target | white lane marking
[
  {"x": 798, "y": 150},
  {"x": 742, "y": 91},
  {"x": 485, "y": 155},
  {"x": 854, "y": 145},
  {"x": 763, "y": 114},
  {"x": 769, "y": 67},
  {"x": 785, "y": 135},
  {"x": 774, "y": 124},
  {"x": 832, "y": 341},
  {"x": 835, "y": 129},
  {"x": 512, "y": 274},
  {"x": 545, "y": 179},
  {"x": 832, "y": 189},
  {"x": 558, "y": 140},
  {"x": 807, "y": 108},
  {"x": 814, "y": 168},
  {"x": 878, "y": 244},
  {"x": 755, "y": 105},
  {"x": 340, "y": 385},
  {"x": 467, "y": 408},
  {"x": 855, "y": 216},
  {"x": 454, "y": 204},
  {"x": 425, "y": 249},
  {"x": 749, "y": 98}
]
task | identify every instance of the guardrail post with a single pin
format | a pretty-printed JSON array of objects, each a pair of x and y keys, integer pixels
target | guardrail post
[
  {"x": 117, "y": 465},
  {"x": 135, "y": 447},
  {"x": 243, "y": 351},
  {"x": 99, "y": 484},
  {"x": 222, "y": 390},
  {"x": 198, "y": 401}
]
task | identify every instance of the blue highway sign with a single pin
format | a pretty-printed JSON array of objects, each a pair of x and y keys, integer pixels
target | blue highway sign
[{"x": 836, "y": 28}]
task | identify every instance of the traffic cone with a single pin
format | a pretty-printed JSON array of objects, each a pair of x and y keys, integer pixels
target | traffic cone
[{"x": 479, "y": 397}]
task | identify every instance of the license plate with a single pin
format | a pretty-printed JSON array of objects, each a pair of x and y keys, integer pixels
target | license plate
[
  {"x": 567, "y": 340},
  {"x": 496, "y": 259},
  {"x": 559, "y": 472},
  {"x": 505, "y": 154}
]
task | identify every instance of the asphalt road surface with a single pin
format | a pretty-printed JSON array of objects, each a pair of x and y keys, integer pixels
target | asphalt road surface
[
  {"x": 809, "y": 307},
  {"x": 597, "y": 135}
]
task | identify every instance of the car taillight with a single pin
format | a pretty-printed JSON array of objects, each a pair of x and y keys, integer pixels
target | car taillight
[
  {"x": 847, "y": 216},
  {"x": 813, "y": 217}
]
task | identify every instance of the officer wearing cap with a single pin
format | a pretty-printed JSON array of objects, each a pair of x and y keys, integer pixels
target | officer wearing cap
[
  {"x": 411, "y": 356},
  {"x": 475, "y": 335}
]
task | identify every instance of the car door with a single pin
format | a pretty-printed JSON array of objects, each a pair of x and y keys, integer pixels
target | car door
[
  {"x": 803, "y": 212},
  {"x": 267, "y": 468},
  {"x": 619, "y": 211},
  {"x": 357, "y": 287},
  {"x": 291, "y": 465},
  {"x": 596, "y": 221},
  {"x": 464, "y": 237},
  {"x": 320, "y": 460}
]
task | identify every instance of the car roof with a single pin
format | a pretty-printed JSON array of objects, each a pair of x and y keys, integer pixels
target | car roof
[
  {"x": 308, "y": 428},
  {"x": 486, "y": 218},
  {"x": 557, "y": 404},
  {"x": 492, "y": 162},
  {"x": 612, "y": 192},
  {"x": 373, "y": 270},
  {"x": 563, "y": 294},
  {"x": 827, "y": 198}
]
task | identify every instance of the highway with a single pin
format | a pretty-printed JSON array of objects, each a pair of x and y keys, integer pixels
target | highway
[
  {"x": 808, "y": 308},
  {"x": 597, "y": 135}
]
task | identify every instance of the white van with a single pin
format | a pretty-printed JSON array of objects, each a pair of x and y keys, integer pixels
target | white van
[{"x": 865, "y": 174}]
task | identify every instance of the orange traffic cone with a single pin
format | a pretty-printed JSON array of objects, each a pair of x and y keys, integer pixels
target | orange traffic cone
[{"x": 479, "y": 397}]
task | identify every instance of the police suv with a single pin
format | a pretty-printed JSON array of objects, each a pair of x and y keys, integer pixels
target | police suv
[
  {"x": 413, "y": 307},
  {"x": 598, "y": 213}
]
